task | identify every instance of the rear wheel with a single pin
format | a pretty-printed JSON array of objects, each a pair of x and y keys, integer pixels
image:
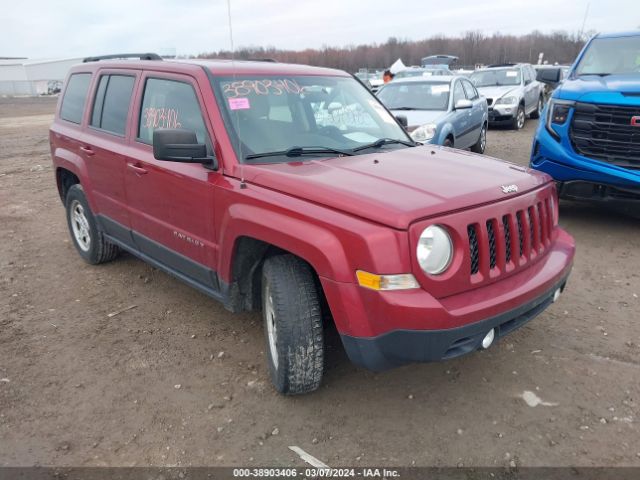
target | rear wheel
[
  {"x": 519, "y": 118},
  {"x": 292, "y": 324},
  {"x": 538, "y": 111},
  {"x": 481, "y": 144},
  {"x": 87, "y": 238}
]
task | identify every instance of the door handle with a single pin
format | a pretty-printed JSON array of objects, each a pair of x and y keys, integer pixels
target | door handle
[
  {"x": 136, "y": 169},
  {"x": 87, "y": 150}
]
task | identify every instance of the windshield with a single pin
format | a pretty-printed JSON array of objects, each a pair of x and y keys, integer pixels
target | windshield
[
  {"x": 611, "y": 56},
  {"x": 272, "y": 114},
  {"x": 415, "y": 96},
  {"x": 496, "y": 78}
]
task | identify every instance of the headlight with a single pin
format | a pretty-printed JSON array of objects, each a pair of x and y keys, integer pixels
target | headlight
[
  {"x": 557, "y": 113},
  {"x": 425, "y": 132},
  {"x": 507, "y": 101},
  {"x": 435, "y": 250}
]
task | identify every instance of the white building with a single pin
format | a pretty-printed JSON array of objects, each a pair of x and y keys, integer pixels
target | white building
[{"x": 32, "y": 77}]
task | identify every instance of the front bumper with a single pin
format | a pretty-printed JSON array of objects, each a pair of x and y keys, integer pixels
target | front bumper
[
  {"x": 400, "y": 347},
  {"x": 502, "y": 113},
  {"x": 381, "y": 330},
  {"x": 580, "y": 177}
]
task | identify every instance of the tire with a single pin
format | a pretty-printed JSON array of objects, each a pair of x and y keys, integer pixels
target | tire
[
  {"x": 448, "y": 142},
  {"x": 292, "y": 325},
  {"x": 536, "y": 114},
  {"x": 481, "y": 144},
  {"x": 519, "y": 118},
  {"x": 86, "y": 236}
]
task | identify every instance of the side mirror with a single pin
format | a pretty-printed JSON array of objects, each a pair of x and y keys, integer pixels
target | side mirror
[
  {"x": 463, "y": 103},
  {"x": 177, "y": 145},
  {"x": 550, "y": 76},
  {"x": 402, "y": 120},
  {"x": 527, "y": 81}
]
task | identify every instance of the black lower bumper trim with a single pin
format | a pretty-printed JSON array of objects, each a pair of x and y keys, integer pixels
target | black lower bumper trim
[
  {"x": 596, "y": 192},
  {"x": 400, "y": 347}
]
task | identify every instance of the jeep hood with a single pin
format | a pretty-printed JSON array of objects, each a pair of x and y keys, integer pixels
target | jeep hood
[
  {"x": 616, "y": 89},
  {"x": 397, "y": 187}
]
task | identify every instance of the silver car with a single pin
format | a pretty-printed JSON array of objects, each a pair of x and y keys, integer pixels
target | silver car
[
  {"x": 442, "y": 110},
  {"x": 512, "y": 93}
]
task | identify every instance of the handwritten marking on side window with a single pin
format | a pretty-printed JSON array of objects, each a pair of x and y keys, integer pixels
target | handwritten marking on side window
[{"x": 160, "y": 118}]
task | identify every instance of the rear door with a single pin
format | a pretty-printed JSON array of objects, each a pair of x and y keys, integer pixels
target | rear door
[
  {"x": 171, "y": 204},
  {"x": 106, "y": 138}
]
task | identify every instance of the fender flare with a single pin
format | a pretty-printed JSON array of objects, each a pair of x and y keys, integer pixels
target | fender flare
[
  {"x": 315, "y": 244},
  {"x": 65, "y": 159}
]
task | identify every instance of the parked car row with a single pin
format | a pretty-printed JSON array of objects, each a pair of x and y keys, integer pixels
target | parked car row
[{"x": 455, "y": 110}]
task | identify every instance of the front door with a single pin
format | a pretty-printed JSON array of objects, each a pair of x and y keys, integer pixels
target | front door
[{"x": 172, "y": 204}]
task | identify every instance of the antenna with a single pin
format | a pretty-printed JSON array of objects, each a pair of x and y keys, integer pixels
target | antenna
[
  {"x": 584, "y": 20},
  {"x": 237, "y": 118}
]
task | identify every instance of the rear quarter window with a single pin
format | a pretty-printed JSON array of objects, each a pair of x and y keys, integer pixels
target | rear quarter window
[{"x": 75, "y": 97}]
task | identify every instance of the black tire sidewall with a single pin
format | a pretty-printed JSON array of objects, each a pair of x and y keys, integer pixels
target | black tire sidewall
[
  {"x": 477, "y": 148},
  {"x": 277, "y": 374},
  {"x": 77, "y": 193},
  {"x": 515, "y": 119},
  {"x": 296, "y": 317}
]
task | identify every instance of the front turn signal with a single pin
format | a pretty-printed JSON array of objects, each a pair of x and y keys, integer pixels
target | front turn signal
[{"x": 403, "y": 281}]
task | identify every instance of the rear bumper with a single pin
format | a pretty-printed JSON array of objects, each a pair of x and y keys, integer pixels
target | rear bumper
[{"x": 400, "y": 347}]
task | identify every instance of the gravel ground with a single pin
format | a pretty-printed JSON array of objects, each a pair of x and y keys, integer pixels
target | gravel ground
[{"x": 177, "y": 380}]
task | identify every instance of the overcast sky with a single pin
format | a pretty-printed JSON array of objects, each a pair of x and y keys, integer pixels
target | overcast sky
[{"x": 50, "y": 28}]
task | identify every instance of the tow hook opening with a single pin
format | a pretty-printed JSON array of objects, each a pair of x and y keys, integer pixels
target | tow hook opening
[{"x": 488, "y": 339}]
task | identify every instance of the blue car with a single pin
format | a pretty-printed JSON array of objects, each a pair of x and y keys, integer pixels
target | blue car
[
  {"x": 443, "y": 110},
  {"x": 588, "y": 138}
]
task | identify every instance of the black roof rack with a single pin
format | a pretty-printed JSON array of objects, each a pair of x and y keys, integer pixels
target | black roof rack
[
  {"x": 502, "y": 65},
  {"x": 272, "y": 60},
  {"x": 118, "y": 56}
]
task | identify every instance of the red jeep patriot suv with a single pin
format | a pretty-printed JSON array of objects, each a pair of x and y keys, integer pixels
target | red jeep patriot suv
[{"x": 292, "y": 190}]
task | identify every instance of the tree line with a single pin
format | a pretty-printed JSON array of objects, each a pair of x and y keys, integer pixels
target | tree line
[{"x": 472, "y": 47}]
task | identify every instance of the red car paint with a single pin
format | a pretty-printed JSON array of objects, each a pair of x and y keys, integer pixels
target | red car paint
[{"x": 340, "y": 215}]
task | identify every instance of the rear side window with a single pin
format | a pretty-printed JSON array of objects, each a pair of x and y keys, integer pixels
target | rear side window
[
  {"x": 75, "y": 96},
  {"x": 170, "y": 104},
  {"x": 111, "y": 106}
]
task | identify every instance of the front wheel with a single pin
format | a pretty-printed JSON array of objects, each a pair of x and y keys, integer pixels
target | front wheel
[
  {"x": 292, "y": 324},
  {"x": 519, "y": 118},
  {"x": 481, "y": 144}
]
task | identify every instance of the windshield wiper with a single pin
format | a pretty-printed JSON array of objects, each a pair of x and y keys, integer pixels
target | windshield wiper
[
  {"x": 300, "y": 151},
  {"x": 384, "y": 141},
  {"x": 596, "y": 74},
  {"x": 405, "y": 108}
]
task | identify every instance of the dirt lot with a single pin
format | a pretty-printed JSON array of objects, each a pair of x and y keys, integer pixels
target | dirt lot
[{"x": 178, "y": 380}]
